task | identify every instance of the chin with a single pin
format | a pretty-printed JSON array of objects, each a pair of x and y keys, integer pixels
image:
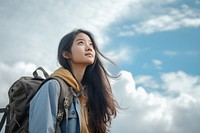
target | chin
[{"x": 90, "y": 62}]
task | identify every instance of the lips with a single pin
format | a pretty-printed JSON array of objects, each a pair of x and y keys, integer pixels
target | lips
[{"x": 89, "y": 54}]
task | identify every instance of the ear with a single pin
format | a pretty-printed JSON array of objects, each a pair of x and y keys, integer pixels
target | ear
[{"x": 66, "y": 55}]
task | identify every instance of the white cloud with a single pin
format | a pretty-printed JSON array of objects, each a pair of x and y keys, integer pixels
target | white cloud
[
  {"x": 157, "y": 63},
  {"x": 192, "y": 53},
  {"x": 180, "y": 81},
  {"x": 120, "y": 55},
  {"x": 143, "y": 108},
  {"x": 168, "y": 19},
  {"x": 154, "y": 111},
  {"x": 147, "y": 81},
  {"x": 170, "y": 53},
  {"x": 197, "y": 1},
  {"x": 41, "y": 27}
]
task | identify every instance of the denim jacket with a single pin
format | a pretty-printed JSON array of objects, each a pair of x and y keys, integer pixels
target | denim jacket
[{"x": 44, "y": 109}]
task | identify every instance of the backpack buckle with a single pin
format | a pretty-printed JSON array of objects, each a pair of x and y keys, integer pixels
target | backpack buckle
[
  {"x": 66, "y": 102},
  {"x": 60, "y": 116}
]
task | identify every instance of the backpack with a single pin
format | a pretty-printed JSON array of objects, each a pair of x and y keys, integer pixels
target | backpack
[{"x": 20, "y": 94}]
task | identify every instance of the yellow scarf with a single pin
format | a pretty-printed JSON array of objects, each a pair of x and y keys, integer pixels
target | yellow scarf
[{"x": 68, "y": 77}]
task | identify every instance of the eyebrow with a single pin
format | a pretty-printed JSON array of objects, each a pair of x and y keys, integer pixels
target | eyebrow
[{"x": 81, "y": 40}]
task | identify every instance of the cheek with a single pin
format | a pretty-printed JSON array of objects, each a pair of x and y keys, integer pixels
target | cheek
[
  {"x": 75, "y": 53},
  {"x": 76, "y": 56}
]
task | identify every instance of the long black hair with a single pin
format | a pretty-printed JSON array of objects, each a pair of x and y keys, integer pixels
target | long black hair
[{"x": 101, "y": 103}]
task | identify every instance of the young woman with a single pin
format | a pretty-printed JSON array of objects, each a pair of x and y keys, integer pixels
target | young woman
[{"x": 81, "y": 67}]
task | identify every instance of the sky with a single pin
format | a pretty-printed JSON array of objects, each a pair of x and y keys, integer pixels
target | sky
[{"x": 154, "y": 43}]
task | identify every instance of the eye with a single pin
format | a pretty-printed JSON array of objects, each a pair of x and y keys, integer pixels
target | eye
[
  {"x": 80, "y": 43},
  {"x": 91, "y": 44}
]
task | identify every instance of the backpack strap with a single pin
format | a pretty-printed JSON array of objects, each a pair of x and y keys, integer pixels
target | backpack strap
[
  {"x": 6, "y": 117},
  {"x": 64, "y": 102},
  {"x": 3, "y": 119},
  {"x": 36, "y": 75}
]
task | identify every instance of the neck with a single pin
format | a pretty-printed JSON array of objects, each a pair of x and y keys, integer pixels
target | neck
[{"x": 78, "y": 71}]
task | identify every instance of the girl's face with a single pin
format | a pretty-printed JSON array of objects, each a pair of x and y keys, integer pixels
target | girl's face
[{"x": 82, "y": 50}]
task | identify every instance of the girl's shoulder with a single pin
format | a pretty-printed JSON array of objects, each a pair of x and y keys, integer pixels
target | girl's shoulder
[
  {"x": 51, "y": 82},
  {"x": 51, "y": 86}
]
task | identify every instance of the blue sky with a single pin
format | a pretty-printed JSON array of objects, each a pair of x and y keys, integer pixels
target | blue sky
[
  {"x": 177, "y": 50},
  {"x": 154, "y": 43}
]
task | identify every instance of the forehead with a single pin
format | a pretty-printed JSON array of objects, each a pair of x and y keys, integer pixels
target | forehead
[{"x": 82, "y": 36}]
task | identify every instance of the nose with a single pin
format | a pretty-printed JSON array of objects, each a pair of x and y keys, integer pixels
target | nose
[{"x": 88, "y": 47}]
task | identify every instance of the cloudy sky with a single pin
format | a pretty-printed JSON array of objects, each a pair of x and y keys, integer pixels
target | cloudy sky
[{"x": 155, "y": 44}]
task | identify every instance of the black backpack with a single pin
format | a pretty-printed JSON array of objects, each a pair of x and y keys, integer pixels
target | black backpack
[{"x": 21, "y": 92}]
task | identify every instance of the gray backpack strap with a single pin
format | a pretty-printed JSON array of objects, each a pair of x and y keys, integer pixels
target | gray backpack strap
[
  {"x": 5, "y": 117},
  {"x": 64, "y": 102}
]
